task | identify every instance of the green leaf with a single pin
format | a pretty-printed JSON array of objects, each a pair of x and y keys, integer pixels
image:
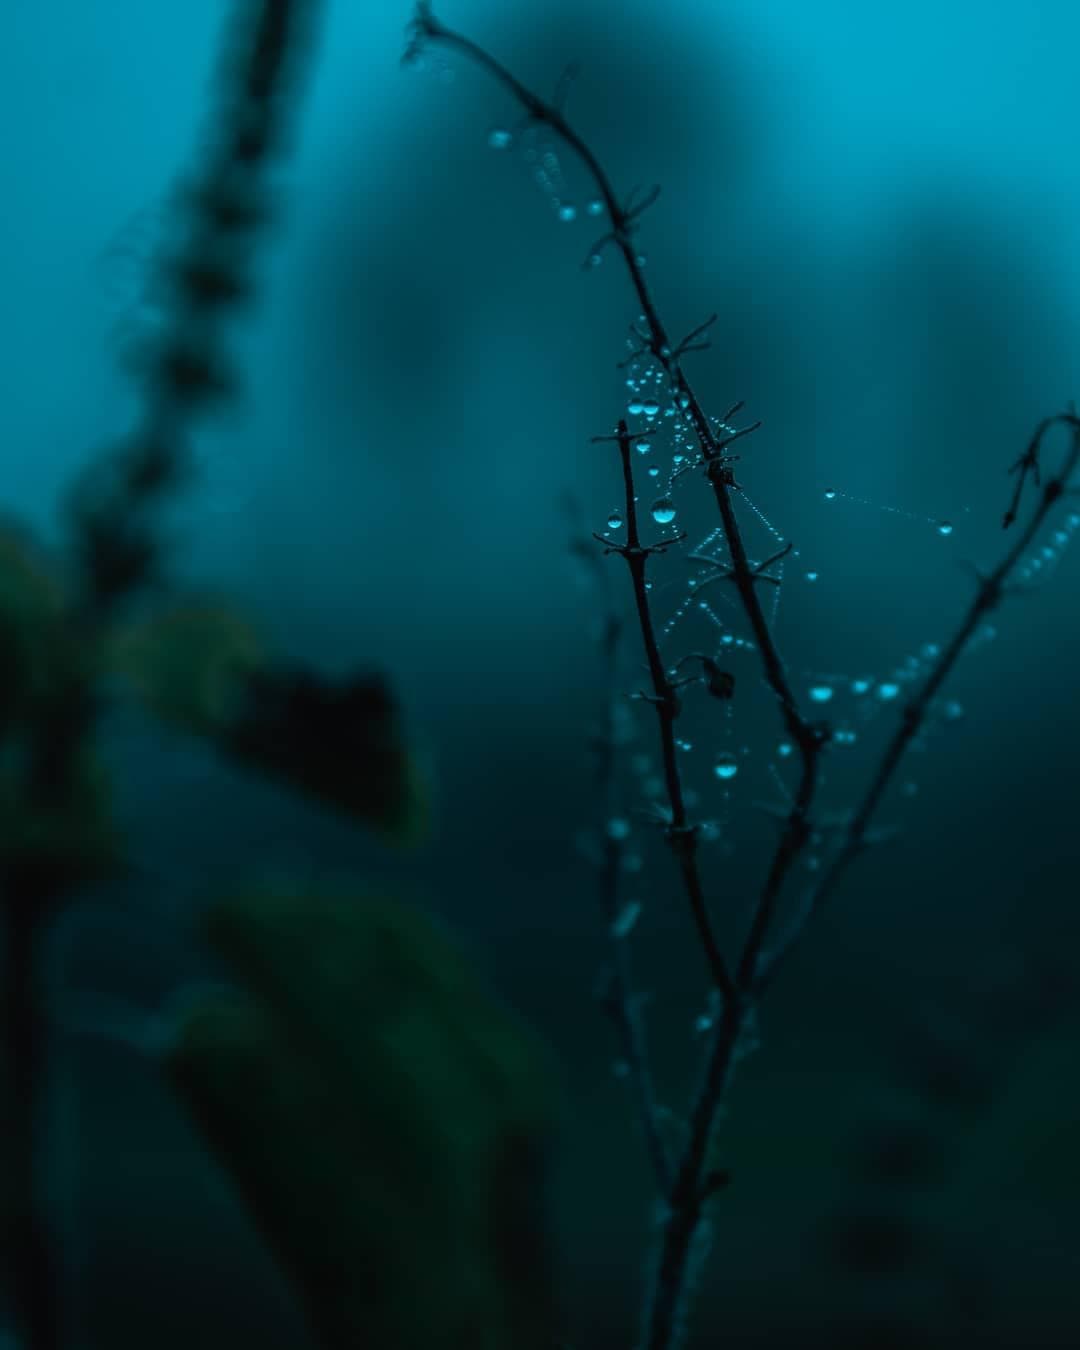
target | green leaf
[
  {"x": 340, "y": 742},
  {"x": 201, "y": 667},
  {"x": 386, "y": 1121},
  {"x": 189, "y": 664}
]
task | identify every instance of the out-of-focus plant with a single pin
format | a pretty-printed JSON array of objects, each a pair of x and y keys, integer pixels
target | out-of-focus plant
[{"x": 89, "y": 626}]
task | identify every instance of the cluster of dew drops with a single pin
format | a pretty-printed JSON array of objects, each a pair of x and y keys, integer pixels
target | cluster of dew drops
[
  {"x": 856, "y": 700},
  {"x": 649, "y": 405},
  {"x": 542, "y": 160}
]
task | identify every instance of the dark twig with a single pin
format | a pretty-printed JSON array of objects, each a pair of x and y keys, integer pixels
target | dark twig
[
  {"x": 616, "y": 992},
  {"x": 694, "y": 1179},
  {"x": 805, "y": 735},
  {"x": 681, "y": 835},
  {"x": 987, "y": 597},
  {"x": 688, "y": 344}
]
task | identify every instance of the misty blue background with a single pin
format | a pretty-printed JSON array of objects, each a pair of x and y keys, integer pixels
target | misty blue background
[{"x": 882, "y": 208}]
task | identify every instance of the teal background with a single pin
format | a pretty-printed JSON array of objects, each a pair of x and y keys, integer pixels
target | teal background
[{"x": 881, "y": 206}]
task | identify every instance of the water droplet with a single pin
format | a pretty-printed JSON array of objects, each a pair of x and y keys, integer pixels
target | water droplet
[
  {"x": 702, "y": 1023},
  {"x": 1072, "y": 520},
  {"x": 654, "y": 471},
  {"x": 650, "y": 409},
  {"x": 845, "y": 736},
  {"x": 684, "y": 401},
  {"x": 567, "y": 212},
  {"x": 594, "y": 260},
  {"x": 821, "y": 693},
  {"x": 860, "y": 686},
  {"x": 944, "y": 527},
  {"x": 643, "y": 447},
  {"x": 830, "y": 493},
  {"x": 726, "y": 765},
  {"x": 614, "y": 521},
  {"x": 618, "y": 827},
  {"x": 784, "y": 749},
  {"x": 595, "y": 207},
  {"x": 954, "y": 710},
  {"x": 635, "y": 408},
  {"x": 641, "y": 260},
  {"x": 648, "y": 585},
  {"x": 663, "y": 510},
  {"x": 626, "y": 919},
  {"x": 811, "y": 576},
  {"x": 887, "y": 690},
  {"x": 500, "y": 139}
]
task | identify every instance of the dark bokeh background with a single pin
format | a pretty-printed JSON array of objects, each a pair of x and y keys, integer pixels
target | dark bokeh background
[{"x": 881, "y": 207}]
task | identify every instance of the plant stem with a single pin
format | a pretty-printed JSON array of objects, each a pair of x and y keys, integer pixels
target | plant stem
[
  {"x": 681, "y": 834},
  {"x": 988, "y": 596},
  {"x": 34, "y": 1293}
]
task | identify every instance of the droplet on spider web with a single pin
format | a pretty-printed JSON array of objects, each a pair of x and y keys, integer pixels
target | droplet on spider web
[
  {"x": 650, "y": 409},
  {"x": 821, "y": 693},
  {"x": 567, "y": 212},
  {"x": 888, "y": 690},
  {"x": 500, "y": 139},
  {"x": 654, "y": 471},
  {"x": 595, "y": 207},
  {"x": 944, "y": 527},
  {"x": 830, "y": 494},
  {"x": 725, "y": 765},
  {"x": 614, "y": 521},
  {"x": 626, "y": 919},
  {"x": 663, "y": 510},
  {"x": 635, "y": 407},
  {"x": 643, "y": 447}
]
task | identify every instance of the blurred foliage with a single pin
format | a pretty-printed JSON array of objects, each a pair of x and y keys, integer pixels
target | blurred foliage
[
  {"x": 385, "y": 1121},
  {"x": 200, "y": 666}
]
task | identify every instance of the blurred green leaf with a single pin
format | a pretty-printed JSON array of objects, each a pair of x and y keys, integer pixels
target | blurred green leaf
[
  {"x": 340, "y": 742},
  {"x": 386, "y": 1121},
  {"x": 201, "y": 667},
  {"x": 188, "y": 663}
]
